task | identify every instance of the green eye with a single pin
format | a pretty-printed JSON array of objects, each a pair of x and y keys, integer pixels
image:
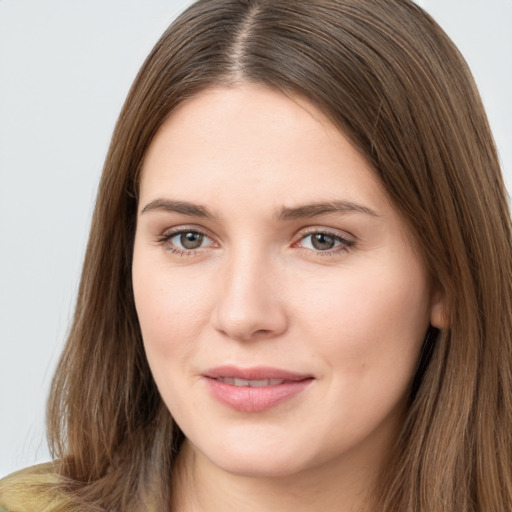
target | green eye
[
  {"x": 322, "y": 242},
  {"x": 187, "y": 240},
  {"x": 190, "y": 240}
]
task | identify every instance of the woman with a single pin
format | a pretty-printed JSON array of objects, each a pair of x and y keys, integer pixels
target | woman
[{"x": 297, "y": 289}]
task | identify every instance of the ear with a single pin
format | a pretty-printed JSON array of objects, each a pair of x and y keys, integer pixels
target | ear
[{"x": 438, "y": 310}]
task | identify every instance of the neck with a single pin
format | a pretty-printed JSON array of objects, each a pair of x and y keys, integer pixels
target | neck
[{"x": 200, "y": 486}]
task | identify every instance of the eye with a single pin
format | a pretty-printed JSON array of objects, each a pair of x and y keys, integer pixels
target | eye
[
  {"x": 189, "y": 240},
  {"x": 186, "y": 240},
  {"x": 321, "y": 241}
]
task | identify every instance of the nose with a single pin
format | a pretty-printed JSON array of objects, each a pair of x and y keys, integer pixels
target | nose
[{"x": 249, "y": 302}]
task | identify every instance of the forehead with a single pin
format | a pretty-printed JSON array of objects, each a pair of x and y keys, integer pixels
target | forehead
[{"x": 254, "y": 143}]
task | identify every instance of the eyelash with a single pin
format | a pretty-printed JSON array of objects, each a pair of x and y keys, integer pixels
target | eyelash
[{"x": 345, "y": 244}]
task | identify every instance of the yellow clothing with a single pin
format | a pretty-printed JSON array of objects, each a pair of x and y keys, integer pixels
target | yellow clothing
[{"x": 31, "y": 490}]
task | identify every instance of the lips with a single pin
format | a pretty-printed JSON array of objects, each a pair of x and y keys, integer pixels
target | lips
[{"x": 254, "y": 389}]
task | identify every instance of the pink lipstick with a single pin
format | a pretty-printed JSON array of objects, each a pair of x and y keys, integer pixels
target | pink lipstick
[{"x": 254, "y": 389}]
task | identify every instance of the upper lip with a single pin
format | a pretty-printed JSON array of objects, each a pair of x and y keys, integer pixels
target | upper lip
[{"x": 254, "y": 373}]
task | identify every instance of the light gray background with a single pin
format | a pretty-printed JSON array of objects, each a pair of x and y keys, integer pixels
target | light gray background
[{"x": 65, "y": 69}]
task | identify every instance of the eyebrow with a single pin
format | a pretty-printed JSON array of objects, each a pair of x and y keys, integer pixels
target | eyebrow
[
  {"x": 316, "y": 209},
  {"x": 183, "y": 207},
  {"x": 285, "y": 213}
]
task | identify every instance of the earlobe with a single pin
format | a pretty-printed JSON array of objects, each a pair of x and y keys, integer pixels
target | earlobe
[{"x": 438, "y": 311}]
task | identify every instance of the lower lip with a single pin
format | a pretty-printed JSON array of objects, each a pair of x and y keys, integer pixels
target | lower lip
[{"x": 257, "y": 399}]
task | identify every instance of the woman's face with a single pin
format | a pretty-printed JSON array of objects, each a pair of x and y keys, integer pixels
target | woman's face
[{"x": 281, "y": 304}]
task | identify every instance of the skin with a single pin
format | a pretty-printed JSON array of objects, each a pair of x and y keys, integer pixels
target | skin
[{"x": 257, "y": 291}]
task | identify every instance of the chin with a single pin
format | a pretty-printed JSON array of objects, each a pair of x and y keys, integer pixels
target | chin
[
  {"x": 267, "y": 466},
  {"x": 268, "y": 459}
]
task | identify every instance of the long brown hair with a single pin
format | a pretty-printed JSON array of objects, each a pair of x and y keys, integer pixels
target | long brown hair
[{"x": 392, "y": 81}]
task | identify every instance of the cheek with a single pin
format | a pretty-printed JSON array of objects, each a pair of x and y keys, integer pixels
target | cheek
[
  {"x": 369, "y": 321},
  {"x": 171, "y": 309},
  {"x": 366, "y": 336},
  {"x": 171, "y": 313}
]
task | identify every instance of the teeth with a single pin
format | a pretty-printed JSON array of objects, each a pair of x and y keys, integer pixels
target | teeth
[{"x": 251, "y": 383}]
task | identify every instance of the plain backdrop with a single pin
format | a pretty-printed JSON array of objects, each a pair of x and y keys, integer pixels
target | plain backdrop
[{"x": 65, "y": 69}]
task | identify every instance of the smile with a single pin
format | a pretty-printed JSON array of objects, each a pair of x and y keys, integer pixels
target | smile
[{"x": 255, "y": 389}]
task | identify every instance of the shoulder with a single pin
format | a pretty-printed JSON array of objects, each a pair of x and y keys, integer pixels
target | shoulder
[{"x": 30, "y": 490}]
